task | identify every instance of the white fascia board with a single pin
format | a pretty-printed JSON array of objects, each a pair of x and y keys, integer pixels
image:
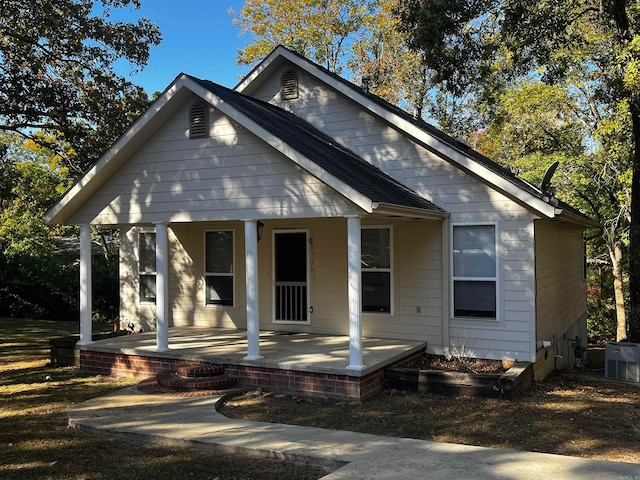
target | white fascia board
[
  {"x": 261, "y": 67},
  {"x": 109, "y": 161},
  {"x": 362, "y": 201},
  {"x": 419, "y": 135},
  {"x": 407, "y": 212},
  {"x": 570, "y": 217}
]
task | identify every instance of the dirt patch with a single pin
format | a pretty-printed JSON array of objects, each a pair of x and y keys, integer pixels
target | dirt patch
[
  {"x": 577, "y": 413},
  {"x": 435, "y": 362}
]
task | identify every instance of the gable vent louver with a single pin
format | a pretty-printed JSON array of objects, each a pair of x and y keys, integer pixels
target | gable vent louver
[
  {"x": 198, "y": 120},
  {"x": 289, "y": 85}
]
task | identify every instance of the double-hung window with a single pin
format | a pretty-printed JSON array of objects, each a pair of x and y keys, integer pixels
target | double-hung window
[
  {"x": 147, "y": 265},
  {"x": 219, "y": 273},
  {"x": 376, "y": 269},
  {"x": 475, "y": 267}
]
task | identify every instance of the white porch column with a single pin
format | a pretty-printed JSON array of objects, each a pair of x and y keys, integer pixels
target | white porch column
[
  {"x": 251, "y": 274},
  {"x": 355, "y": 294},
  {"x": 446, "y": 256},
  {"x": 85, "y": 285},
  {"x": 162, "y": 287}
]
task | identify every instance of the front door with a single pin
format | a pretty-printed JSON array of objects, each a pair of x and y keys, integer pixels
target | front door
[{"x": 291, "y": 293}]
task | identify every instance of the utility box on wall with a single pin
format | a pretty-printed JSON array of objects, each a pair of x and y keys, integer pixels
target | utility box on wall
[{"x": 622, "y": 361}]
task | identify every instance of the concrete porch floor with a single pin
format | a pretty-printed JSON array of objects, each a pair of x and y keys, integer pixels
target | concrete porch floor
[{"x": 281, "y": 350}]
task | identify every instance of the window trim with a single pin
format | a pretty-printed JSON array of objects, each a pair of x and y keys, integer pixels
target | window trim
[
  {"x": 154, "y": 274},
  {"x": 495, "y": 279},
  {"x": 203, "y": 131},
  {"x": 390, "y": 270},
  {"x": 213, "y": 274}
]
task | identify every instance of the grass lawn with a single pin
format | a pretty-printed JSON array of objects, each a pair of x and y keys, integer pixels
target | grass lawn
[
  {"x": 35, "y": 442},
  {"x": 577, "y": 413}
]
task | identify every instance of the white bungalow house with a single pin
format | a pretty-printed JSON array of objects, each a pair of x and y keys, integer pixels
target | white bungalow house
[{"x": 298, "y": 202}]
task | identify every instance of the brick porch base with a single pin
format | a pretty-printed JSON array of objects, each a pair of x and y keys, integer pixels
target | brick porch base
[{"x": 325, "y": 385}]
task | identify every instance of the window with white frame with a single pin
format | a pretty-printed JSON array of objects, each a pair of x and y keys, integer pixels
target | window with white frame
[
  {"x": 219, "y": 273},
  {"x": 376, "y": 269},
  {"x": 147, "y": 265},
  {"x": 475, "y": 271}
]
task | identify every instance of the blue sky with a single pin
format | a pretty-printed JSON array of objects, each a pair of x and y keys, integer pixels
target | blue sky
[{"x": 198, "y": 37}]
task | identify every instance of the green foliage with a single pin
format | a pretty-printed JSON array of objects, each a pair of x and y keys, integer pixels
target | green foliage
[
  {"x": 38, "y": 279},
  {"x": 449, "y": 34},
  {"x": 319, "y": 29},
  {"x": 558, "y": 81},
  {"x": 57, "y": 73},
  {"x": 47, "y": 286},
  {"x": 601, "y": 312},
  {"x": 60, "y": 93},
  {"x": 33, "y": 179}
]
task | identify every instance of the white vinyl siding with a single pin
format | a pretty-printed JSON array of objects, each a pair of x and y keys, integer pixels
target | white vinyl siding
[
  {"x": 561, "y": 288},
  {"x": 229, "y": 175},
  {"x": 466, "y": 198},
  {"x": 232, "y": 175}
]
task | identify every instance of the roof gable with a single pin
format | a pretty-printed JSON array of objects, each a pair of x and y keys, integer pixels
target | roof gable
[
  {"x": 446, "y": 147},
  {"x": 357, "y": 180},
  {"x": 322, "y": 150}
]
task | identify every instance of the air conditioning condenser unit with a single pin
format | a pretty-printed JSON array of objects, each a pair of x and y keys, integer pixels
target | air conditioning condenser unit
[{"x": 622, "y": 361}]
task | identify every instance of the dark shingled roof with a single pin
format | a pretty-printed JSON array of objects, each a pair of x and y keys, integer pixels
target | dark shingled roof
[{"x": 322, "y": 149}]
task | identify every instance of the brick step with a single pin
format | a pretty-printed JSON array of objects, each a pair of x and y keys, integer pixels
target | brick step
[
  {"x": 197, "y": 369},
  {"x": 178, "y": 383},
  {"x": 150, "y": 386}
]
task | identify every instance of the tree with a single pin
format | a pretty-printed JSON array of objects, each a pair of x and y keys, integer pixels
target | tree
[
  {"x": 34, "y": 178},
  {"x": 402, "y": 77},
  {"x": 463, "y": 39},
  {"x": 319, "y": 29},
  {"x": 57, "y": 73},
  {"x": 359, "y": 36},
  {"x": 534, "y": 124}
]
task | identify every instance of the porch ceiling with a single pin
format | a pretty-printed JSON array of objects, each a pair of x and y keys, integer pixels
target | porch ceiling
[{"x": 289, "y": 351}]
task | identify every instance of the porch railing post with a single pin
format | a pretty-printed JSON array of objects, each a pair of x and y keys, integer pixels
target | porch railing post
[
  {"x": 251, "y": 275},
  {"x": 162, "y": 287},
  {"x": 85, "y": 285},
  {"x": 355, "y": 294}
]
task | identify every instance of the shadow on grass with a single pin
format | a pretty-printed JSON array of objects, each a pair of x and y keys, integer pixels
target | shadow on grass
[
  {"x": 36, "y": 442},
  {"x": 576, "y": 413}
]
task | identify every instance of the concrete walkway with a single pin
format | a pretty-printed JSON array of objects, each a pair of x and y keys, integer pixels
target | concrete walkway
[{"x": 355, "y": 455}]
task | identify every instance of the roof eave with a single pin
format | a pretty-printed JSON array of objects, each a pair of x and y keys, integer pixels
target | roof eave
[
  {"x": 392, "y": 210},
  {"x": 568, "y": 216}
]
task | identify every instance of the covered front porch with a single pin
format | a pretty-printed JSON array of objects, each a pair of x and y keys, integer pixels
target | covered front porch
[{"x": 302, "y": 363}]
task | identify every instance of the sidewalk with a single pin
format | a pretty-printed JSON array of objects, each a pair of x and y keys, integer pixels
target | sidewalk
[{"x": 355, "y": 455}]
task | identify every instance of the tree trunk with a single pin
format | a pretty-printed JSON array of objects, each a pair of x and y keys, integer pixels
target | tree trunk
[
  {"x": 634, "y": 231},
  {"x": 621, "y": 316}
]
